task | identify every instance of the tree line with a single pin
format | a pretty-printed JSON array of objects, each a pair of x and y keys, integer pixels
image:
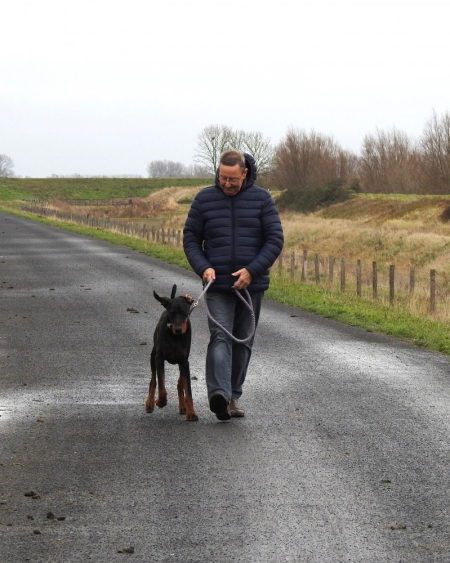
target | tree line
[
  {"x": 211, "y": 143},
  {"x": 171, "y": 169},
  {"x": 314, "y": 170}
]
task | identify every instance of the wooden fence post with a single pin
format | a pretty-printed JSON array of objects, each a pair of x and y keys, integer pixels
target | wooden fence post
[
  {"x": 330, "y": 270},
  {"x": 317, "y": 268},
  {"x": 305, "y": 265},
  {"x": 280, "y": 263},
  {"x": 391, "y": 284},
  {"x": 374, "y": 281},
  {"x": 343, "y": 275},
  {"x": 358, "y": 278},
  {"x": 292, "y": 264},
  {"x": 412, "y": 285},
  {"x": 432, "y": 291}
]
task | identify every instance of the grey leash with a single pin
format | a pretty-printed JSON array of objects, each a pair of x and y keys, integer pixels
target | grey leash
[{"x": 248, "y": 304}]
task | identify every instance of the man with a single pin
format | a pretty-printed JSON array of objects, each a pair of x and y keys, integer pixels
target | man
[{"x": 232, "y": 235}]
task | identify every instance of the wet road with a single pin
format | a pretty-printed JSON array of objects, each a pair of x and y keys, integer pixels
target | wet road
[{"x": 343, "y": 455}]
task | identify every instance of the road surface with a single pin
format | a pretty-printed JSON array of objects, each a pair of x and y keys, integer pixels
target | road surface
[{"x": 343, "y": 455}]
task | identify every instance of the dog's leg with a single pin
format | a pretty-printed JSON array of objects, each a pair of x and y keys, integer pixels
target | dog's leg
[
  {"x": 150, "y": 403},
  {"x": 180, "y": 390},
  {"x": 162, "y": 393},
  {"x": 185, "y": 377}
]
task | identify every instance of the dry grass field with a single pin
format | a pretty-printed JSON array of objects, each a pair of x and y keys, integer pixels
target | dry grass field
[
  {"x": 402, "y": 231},
  {"x": 408, "y": 231}
]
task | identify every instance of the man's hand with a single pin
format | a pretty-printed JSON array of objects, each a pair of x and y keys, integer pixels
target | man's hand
[
  {"x": 209, "y": 274},
  {"x": 244, "y": 279}
]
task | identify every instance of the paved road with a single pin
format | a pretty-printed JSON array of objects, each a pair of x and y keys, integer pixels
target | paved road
[{"x": 343, "y": 455}]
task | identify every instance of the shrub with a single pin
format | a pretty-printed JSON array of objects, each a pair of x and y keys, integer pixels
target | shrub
[{"x": 309, "y": 199}]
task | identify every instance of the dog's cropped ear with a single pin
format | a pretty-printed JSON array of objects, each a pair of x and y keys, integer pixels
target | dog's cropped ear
[
  {"x": 189, "y": 299},
  {"x": 163, "y": 300},
  {"x": 174, "y": 290}
]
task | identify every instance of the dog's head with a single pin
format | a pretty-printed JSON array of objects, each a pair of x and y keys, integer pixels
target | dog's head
[{"x": 178, "y": 310}]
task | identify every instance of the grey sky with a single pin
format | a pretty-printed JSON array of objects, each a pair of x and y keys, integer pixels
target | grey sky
[{"x": 96, "y": 87}]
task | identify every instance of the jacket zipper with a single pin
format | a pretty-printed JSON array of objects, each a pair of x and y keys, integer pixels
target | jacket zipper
[{"x": 233, "y": 236}]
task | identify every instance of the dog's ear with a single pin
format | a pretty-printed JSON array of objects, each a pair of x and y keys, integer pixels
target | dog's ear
[
  {"x": 163, "y": 300},
  {"x": 189, "y": 299},
  {"x": 174, "y": 290}
]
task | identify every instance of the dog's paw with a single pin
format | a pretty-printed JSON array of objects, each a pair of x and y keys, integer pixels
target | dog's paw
[
  {"x": 161, "y": 402},
  {"x": 192, "y": 417}
]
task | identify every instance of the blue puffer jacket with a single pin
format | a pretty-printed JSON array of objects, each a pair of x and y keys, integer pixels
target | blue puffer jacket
[{"x": 229, "y": 233}]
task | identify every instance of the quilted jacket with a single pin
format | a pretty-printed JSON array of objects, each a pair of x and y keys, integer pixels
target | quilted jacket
[{"x": 228, "y": 233}]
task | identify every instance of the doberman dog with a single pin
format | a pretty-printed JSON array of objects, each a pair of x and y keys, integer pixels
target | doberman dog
[{"x": 172, "y": 343}]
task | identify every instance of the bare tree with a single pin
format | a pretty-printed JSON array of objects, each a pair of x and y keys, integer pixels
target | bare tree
[
  {"x": 313, "y": 170},
  {"x": 261, "y": 150},
  {"x": 435, "y": 148},
  {"x": 197, "y": 171},
  {"x": 156, "y": 169},
  {"x": 166, "y": 169},
  {"x": 216, "y": 139},
  {"x": 237, "y": 142},
  {"x": 211, "y": 143},
  {"x": 347, "y": 165},
  {"x": 6, "y": 166},
  {"x": 309, "y": 160},
  {"x": 175, "y": 169},
  {"x": 388, "y": 163}
]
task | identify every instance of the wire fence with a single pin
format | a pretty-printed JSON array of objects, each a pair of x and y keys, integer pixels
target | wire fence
[{"x": 425, "y": 293}]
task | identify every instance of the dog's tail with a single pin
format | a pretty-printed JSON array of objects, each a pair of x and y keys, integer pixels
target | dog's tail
[{"x": 174, "y": 290}]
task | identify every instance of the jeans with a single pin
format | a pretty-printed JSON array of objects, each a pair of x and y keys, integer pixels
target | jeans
[{"x": 226, "y": 360}]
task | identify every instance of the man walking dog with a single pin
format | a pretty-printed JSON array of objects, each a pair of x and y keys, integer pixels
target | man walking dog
[{"x": 232, "y": 236}]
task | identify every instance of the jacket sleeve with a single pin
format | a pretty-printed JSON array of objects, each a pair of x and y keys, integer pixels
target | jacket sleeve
[
  {"x": 273, "y": 240},
  {"x": 193, "y": 239}
]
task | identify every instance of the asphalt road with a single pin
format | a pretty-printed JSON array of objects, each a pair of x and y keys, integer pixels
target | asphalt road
[{"x": 343, "y": 455}]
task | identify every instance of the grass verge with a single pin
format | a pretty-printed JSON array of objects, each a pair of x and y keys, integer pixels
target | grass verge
[
  {"x": 350, "y": 310},
  {"x": 89, "y": 188}
]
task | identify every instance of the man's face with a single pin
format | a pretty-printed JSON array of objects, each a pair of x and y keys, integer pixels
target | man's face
[{"x": 231, "y": 178}]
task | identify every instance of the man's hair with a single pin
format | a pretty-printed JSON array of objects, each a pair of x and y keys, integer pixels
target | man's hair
[{"x": 231, "y": 158}]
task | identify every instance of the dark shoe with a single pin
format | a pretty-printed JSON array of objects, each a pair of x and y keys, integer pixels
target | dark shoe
[
  {"x": 219, "y": 406},
  {"x": 235, "y": 409}
]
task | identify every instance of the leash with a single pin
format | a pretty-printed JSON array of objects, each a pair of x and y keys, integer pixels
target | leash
[
  {"x": 205, "y": 289},
  {"x": 248, "y": 304}
]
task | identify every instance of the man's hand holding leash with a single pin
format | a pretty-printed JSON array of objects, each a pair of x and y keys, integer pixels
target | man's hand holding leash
[
  {"x": 208, "y": 275},
  {"x": 244, "y": 279}
]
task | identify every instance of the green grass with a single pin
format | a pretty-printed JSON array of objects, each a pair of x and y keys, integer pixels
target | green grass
[
  {"x": 369, "y": 315},
  {"x": 12, "y": 193},
  {"x": 88, "y": 188},
  {"x": 350, "y": 310}
]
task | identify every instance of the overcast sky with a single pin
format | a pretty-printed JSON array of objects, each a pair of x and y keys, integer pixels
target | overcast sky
[{"x": 95, "y": 87}]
